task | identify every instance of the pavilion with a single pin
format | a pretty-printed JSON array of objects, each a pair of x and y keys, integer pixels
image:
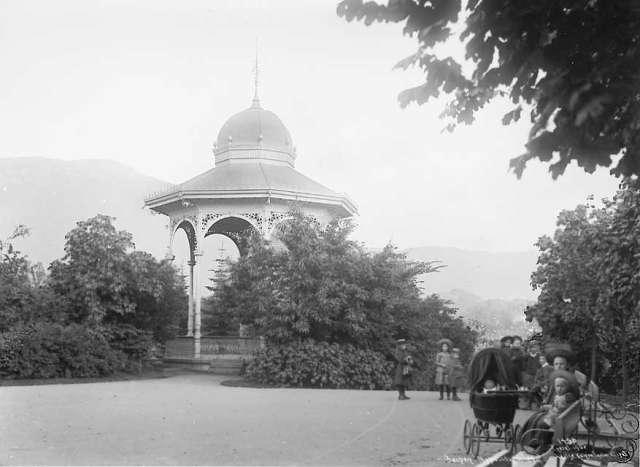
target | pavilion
[{"x": 252, "y": 186}]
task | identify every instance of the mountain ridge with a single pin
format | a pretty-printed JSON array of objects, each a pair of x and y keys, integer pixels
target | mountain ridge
[{"x": 50, "y": 196}]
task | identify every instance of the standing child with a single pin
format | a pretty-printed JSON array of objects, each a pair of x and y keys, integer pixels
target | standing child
[
  {"x": 454, "y": 371},
  {"x": 404, "y": 367},
  {"x": 542, "y": 377},
  {"x": 442, "y": 358},
  {"x": 566, "y": 392}
]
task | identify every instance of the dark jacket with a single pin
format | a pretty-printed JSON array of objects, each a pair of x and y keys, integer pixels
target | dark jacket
[
  {"x": 518, "y": 359},
  {"x": 531, "y": 365},
  {"x": 404, "y": 368}
]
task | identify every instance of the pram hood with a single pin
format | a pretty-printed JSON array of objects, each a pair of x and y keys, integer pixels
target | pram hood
[{"x": 494, "y": 364}]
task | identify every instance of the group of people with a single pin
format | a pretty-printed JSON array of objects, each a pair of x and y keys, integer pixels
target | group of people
[
  {"x": 545, "y": 377},
  {"x": 449, "y": 370},
  {"x": 533, "y": 368}
]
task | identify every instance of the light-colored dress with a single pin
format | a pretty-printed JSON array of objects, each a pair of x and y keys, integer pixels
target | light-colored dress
[{"x": 442, "y": 376}]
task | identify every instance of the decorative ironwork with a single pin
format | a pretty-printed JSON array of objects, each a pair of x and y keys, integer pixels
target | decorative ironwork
[
  {"x": 190, "y": 231},
  {"x": 175, "y": 221},
  {"x": 258, "y": 220},
  {"x": 274, "y": 218},
  {"x": 209, "y": 216},
  {"x": 619, "y": 444}
]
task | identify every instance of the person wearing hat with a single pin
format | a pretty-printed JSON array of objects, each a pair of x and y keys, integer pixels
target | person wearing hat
[
  {"x": 536, "y": 435},
  {"x": 404, "y": 369},
  {"x": 517, "y": 355},
  {"x": 454, "y": 373},
  {"x": 505, "y": 343},
  {"x": 560, "y": 356},
  {"x": 442, "y": 359},
  {"x": 565, "y": 393}
]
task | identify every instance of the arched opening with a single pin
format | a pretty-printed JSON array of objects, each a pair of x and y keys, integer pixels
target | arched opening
[
  {"x": 190, "y": 233},
  {"x": 235, "y": 228},
  {"x": 183, "y": 244},
  {"x": 218, "y": 250},
  {"x": 182, "y": 250},
  {"x": 225, "y": 241}
]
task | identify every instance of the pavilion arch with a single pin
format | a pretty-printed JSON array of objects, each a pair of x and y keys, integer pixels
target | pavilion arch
[
  {"x": 190, "y": 230},
  {"x": 234, "y": 227}
]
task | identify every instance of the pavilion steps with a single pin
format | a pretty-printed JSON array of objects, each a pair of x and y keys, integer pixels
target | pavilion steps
[{"x": 222, "y": 365}]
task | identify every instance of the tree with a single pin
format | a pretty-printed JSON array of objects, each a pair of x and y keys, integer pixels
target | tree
[
  {"x": 619, "y": 281},
  {"x": 321, "y": 286},
  {"x": 93, "y": 272},
  {"x": 106, "y": 284},
  {"x": 567, "y": 308},
  {"x": 159, "y": 295},
  {"x": 325, "y": 288},
  {"x": 589, "y": 281},
  {"x": 15, "y": 289},
  {"x": 575, "y": 63}
]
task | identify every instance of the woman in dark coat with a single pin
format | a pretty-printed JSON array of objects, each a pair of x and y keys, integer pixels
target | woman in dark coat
[{"x": 404, "y": 369}]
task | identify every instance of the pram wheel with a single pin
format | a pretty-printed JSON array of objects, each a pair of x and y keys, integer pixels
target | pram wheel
[
  {"x": 476, "y": 431},
  {"x": 466, "y": 436},
  {"x": 509, "y": 437}
]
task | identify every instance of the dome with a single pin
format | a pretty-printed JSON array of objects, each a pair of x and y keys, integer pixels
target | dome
[{"x": 254, "y": 128}]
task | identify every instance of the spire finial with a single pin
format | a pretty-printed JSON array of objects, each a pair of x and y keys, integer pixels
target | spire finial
[{"x": 256, "y": 70}]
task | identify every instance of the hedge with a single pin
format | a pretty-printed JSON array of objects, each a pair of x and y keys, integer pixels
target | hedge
[
  {"x": 46, "y": 350},
  {"x": 319, "y": 364}
]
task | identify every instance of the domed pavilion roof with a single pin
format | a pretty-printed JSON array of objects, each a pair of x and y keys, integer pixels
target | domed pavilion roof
[
  {"x": 254, "y": 158},
  {"x": 254, "y": 128}
]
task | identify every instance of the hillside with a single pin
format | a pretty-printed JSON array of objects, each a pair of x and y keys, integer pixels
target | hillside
[
  {"x": 49, "y": 196},
  {"x": 500, "y": 317},
  {"x": 488, "y": 275}
]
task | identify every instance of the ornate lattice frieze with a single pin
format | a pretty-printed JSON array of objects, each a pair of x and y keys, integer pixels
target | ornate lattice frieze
[
  {"x": 274, "y": 218},
  {"x": 257, "y": 218},
  {"x": 175, "y": 221},
  {"x": 211, "y": 218}
]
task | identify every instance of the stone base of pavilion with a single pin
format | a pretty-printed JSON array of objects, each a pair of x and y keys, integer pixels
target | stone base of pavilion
[{"x": 213, "y": 354}]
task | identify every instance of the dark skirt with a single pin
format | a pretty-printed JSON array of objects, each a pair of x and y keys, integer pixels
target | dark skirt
[{"x": 400, "y": 379}]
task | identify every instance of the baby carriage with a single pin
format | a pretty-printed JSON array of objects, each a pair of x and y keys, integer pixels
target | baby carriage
[{"x": 493, "y": 411}]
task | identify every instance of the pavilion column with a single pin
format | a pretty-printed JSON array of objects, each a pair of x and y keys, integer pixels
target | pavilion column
[
  {"x": 197, "y": 302},
  {"x": 191, "y": 298},
  {"x": 169, "y": 253}
]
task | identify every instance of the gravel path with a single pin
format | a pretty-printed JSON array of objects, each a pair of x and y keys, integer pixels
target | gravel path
[{"x": 193, "y": 420}]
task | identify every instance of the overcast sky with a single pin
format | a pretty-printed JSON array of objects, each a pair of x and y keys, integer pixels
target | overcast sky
[{"x": 150, "y": 82}]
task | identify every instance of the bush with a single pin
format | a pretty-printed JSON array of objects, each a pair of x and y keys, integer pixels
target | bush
[
  {"x": 54, "y": 350},
  {"x": 133, "y": 344},
  {"x": 319, "y": 364}
]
